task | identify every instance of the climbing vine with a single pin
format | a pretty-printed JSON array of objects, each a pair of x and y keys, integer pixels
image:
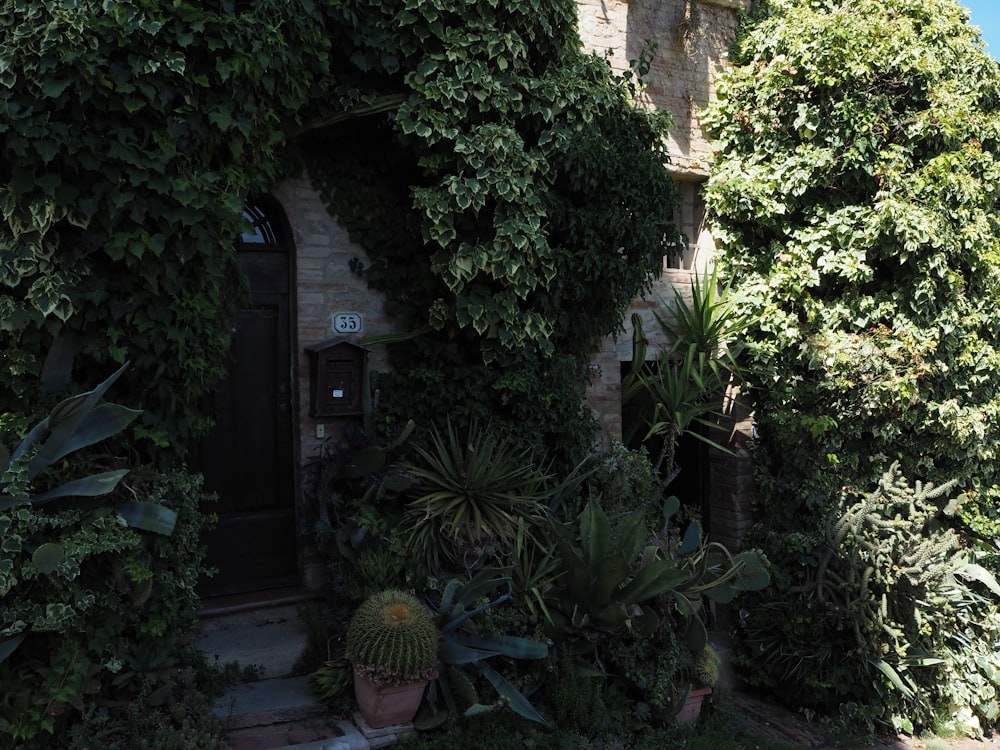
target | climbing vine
[
  {"x": 511, "y": 197},
  {"x": 855, "y": 201},
  {"x": 131, "y": 133},
  {"x": 512, "y": 207}
]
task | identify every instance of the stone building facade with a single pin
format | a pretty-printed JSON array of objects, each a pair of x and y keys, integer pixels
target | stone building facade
[{"x": 692, "y": 38}]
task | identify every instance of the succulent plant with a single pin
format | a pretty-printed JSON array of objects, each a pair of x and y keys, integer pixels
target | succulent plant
[
  {"x": 392, "y": 639},
  {"x": 621, "y": 578},
  {"x": 461, "y": 645},
  {"x": 707, "y": 667}
]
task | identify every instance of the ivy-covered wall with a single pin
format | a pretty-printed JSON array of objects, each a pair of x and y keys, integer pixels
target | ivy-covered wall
[
  {"x": 134, "y": 131},
  {"x": 690, "y": 45},
  {"x": 692, "y": 39}
]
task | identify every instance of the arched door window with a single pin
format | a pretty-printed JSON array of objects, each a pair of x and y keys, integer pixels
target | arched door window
[{"x": 263, "y": 233}]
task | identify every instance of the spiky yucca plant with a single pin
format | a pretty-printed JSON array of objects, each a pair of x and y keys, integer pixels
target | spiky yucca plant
[
  {"x": 392, "y": 639},
  {"x": 472, "y": 493}
]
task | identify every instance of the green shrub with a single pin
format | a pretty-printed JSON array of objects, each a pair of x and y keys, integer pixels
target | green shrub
[
  {"x": 110, "y": 622},
  {"x": 892, "y": 612},
  {"x": 854, "y": 202},
  {"x": 623, "y": 481},
  {"x": 355, "y": 486}
]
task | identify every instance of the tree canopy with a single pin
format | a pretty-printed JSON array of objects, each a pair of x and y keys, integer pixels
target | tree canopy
[{"x": 854, "y": 197}]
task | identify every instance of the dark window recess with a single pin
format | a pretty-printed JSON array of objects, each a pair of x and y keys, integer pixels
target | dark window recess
[{"x": 692, "y": 455}]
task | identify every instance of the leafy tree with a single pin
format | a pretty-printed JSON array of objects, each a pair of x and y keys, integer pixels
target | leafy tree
[{"x": 854, "y": 197}]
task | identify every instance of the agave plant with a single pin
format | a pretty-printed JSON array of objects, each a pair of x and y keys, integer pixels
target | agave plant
[
  {"x": 471, "y": 495},
  {"x": 623, "y": 578},
  {"x": 462, "y": 648},
  {"x": 610, "y": 578},
  {"x": 708, "y": 318},
  {"x": 75, "y": 423}
]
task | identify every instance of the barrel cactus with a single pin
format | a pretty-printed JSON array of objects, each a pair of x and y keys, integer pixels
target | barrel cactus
[
  {"x": 392, "y": 639},
  {"x": 707, "y": 666}
]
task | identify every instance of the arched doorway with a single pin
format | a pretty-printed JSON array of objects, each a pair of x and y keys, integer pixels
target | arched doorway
[{"x": 247, "y": 458}]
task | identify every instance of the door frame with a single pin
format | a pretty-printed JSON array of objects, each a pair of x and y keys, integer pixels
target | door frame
[{"x": 271, "y": 228}]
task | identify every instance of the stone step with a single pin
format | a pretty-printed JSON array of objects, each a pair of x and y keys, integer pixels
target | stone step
[
  {"x": 278, "y": 710},
  {"x": 271, "y": 639},
  {"x": 283, "y": 713},
  {"x": 265, "y": 702}
]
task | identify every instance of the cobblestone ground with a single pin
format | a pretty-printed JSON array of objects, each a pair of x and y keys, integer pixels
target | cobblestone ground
[{"x": 777, "y": 723}]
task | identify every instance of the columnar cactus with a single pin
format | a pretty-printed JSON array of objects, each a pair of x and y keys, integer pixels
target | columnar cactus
[{"x": 392, "y": 639}]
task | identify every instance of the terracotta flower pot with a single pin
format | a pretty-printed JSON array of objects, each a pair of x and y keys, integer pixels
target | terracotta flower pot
[
  {"x": 383, "y": 706},
  {"x": 691, "y": 709}
]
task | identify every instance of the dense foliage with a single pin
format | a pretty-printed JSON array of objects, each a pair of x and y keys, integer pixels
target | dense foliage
[
  {"x": 512, "y": 205},
  {"x": 897, "y": 618},
  {"x": 107, "y": 626},
  {"x": 854, "y": 198},
  {"x": 623, "y": 591},
  {"x": 512, "y": 200},
  {"x": 130, "y": 134},
  {"x": 98, "y": 567}
]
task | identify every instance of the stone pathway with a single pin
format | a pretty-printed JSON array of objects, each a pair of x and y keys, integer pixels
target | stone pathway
[
  {"x": 774, "y": 722},
  {"x": 760, "y": 716}
]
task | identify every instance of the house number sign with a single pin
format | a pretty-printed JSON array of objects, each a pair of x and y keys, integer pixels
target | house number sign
[{"x": 347, "y": 322}]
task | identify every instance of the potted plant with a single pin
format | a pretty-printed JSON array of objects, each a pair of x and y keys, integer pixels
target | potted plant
[
  {"x": 702, "y": 674},
  {"x": 624, "y": 580},
  {"x": 392, "y": 646}
]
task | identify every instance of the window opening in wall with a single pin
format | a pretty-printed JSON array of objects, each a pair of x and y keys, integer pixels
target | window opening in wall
[
  {"x": 262, "y": 234},
  {"x": 691, "y": 217}
]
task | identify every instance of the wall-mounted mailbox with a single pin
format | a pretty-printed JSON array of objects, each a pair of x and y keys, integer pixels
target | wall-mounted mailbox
[{"x": 336, "y": 377}]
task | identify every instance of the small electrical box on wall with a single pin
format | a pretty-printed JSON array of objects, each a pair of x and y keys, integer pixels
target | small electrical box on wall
[{"x": 336, "y": 378}]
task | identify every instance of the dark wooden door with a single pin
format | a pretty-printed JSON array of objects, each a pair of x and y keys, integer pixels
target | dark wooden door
[{"x": 247, "y": 458}]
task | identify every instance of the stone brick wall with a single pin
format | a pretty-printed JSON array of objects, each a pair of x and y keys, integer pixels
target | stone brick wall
[
  {"x": 325, "y": 286},
  {"x": 692, "y": 40}
]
